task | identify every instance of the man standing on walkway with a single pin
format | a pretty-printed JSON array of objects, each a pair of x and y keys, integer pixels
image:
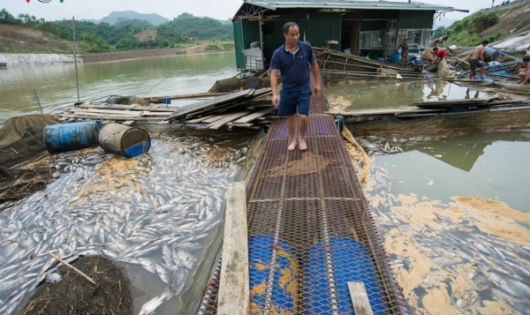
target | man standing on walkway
[
  {"x": 476, "y": 58},
  {"x": 293, "y": 60}
]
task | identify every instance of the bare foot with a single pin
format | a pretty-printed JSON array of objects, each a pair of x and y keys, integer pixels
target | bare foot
[
  {"x": 302, "y": 145},
  {"x": 291, "y": 146}
]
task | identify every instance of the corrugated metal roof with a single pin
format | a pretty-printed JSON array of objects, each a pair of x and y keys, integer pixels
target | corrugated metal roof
[{"x": 346, "y": 4}]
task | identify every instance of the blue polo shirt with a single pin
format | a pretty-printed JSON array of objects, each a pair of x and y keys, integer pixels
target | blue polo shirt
[{"x": 294, "y": 69}]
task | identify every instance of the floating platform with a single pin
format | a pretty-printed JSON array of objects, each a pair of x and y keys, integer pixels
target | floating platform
[{"x": 452, "y": 108}]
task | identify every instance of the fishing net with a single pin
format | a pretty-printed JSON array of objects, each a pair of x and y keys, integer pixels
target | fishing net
[
  {"x": 235, "y": 84},
  {"x": 443, "y": 69},
  {"x": 74, "y": 294},
  {"x": 21, "y": 137}
]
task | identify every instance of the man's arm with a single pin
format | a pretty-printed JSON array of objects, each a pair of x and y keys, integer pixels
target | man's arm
[
  {"x": 526, "y": 78},
  {"x": 274, "y": 86},
  {"x": 316, "y": 73}
]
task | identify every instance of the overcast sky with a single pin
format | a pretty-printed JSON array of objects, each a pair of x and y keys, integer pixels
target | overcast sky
[{"x": 218, "y": 9}]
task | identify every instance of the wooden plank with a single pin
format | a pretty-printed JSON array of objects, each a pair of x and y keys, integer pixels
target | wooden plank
[
  {"x": 209, "y": 104},
  {"x": 104, "y": 112},
  {"x": 198, "y": 120},
  {"x": 110, "y": 117},
  {"x": 255, "y": 115},
  {"x": 452, "y": 103},
  {"x": 389, "y": 111},
  {"x": 129, "y": 107},
  {"x": 221, "y": 122},
  {"x": 214, "y": 118},
  {"x": 247, "y": 125},
  {"x": 242, "y": 101},
  {"x": 119, "y": 112},
  {"x": 359, "y": 298},
  {"x": 159, "y": 99},
  {"x": 234, "y": 294}
]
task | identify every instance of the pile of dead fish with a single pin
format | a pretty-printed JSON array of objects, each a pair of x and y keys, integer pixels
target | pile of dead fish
[{"x": 159, "y": 212}]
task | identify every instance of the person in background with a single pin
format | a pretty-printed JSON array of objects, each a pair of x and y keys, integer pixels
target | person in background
[
  {"x": 440, "y": 63},
  {"x": 427, "y": 56},
  {"x": 440, "y": 53},
  {"x": 524, "y": 72},
  {"x": 293, "y": 61},
  {"x": 437, "y": 56},
  {"x": 476, "y": 59},
  {"x": 405, "y": 52}
]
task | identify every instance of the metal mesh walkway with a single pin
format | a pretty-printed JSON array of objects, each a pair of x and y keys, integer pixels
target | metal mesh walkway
[{"x": 310, "y": 231}]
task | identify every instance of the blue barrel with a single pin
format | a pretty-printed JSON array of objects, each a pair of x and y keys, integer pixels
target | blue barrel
[
  {"x": 124, "y": 140},
  {"x": 490, "y": 53},
  {"x": 285, "y": 285},
  {"x": 71, "y": 136},
  {"x": 395, "y": 58},
  {"x": 350, "y": 262}
]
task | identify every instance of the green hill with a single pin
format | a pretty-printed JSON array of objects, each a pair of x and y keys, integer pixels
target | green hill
[
  {"x": 499, "y": 22},
  {"x": 27, "y": 34},
  {"x": 119, "y": 16}
]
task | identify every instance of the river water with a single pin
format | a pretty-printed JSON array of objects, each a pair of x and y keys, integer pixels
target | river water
[
  {"x": 455, "y": 211},
  {"x": 55, "y": 85}
]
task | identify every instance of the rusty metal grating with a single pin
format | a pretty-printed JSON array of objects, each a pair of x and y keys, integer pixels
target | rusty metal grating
[{"x": 310, "y": 231}]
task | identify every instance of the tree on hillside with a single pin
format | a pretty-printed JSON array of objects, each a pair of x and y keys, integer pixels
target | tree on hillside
[
  {"x": 201, "y": 28},
  {"x": 134, "y": 26},
  {"x": 168, "y": 36},
  {"x": 128, "y": 34},
  {"x": 92, "y": 43},
  {"x": 29, "y": 20},
  {"x": 7, "y": 18}
]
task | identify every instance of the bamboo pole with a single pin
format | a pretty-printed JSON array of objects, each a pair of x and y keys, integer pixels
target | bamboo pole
[{"x": 73, "y": 268}]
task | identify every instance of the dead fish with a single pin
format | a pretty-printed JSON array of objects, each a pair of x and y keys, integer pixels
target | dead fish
[{"x": 151, "y": 306}]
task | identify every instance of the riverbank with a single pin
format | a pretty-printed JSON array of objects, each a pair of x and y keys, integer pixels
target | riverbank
[
  {"x": 130, "y": 55},
  {"x": 16, "y": 60}
]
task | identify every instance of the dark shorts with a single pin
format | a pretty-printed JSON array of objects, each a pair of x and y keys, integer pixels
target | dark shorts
[
  {"x": 293, "y": 101},
  {"x": 474, "y": 64}
]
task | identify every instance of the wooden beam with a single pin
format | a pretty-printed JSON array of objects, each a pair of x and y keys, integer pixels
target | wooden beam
[
  {"x": 117, "y": 112},
  {"x": 247, "y": 125},
  {"x": 228, "y": 118},
  {"x": 130, "y": 107},
  {"x": 212, "y": 103},
  {"x": 388, "y": 111},
  {"x": 359, "y": 298},
  {"x": 215, "y": 118},
  {"x": 199, "y": 120},
  {"x": 234, "y": 293},
  {"x": 255, "y": 115},
  {"x": 110, "y": 117},
  {"x": 159, "y": 99}
]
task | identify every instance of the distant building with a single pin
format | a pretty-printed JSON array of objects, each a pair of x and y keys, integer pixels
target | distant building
[{"x": 360, "y": 27}]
